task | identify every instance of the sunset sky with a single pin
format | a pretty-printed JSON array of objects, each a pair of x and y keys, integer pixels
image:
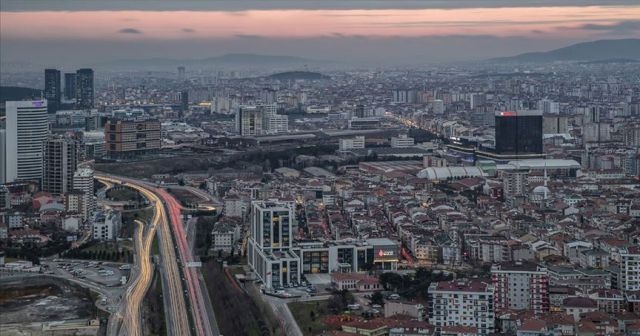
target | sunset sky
[{"x": 85, "y": 32}]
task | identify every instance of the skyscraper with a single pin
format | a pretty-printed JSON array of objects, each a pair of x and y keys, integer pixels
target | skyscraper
[
  {"x": 83, "y": 182},
  {"x": 249, "y": 120},
  {"x": 84, "y": 89},
  {"x": 52, "y": 89},
  {"x": 27, "y": 129},
  {"x": 60, "y": 162},
  {"x": 184, "y": 101},
  {"x": 519, "y": 132},
  {"x": 70, "y": 86}
]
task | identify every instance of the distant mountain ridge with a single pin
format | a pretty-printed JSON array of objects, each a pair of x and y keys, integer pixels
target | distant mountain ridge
[
  {"x": 600, "y": 50},
  {"x": 295, "y": 75},
  {"x": 229, "y": 59}
]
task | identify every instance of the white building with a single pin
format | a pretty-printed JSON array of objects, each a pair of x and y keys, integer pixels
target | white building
[
  {"x": 520, "y": 286},
  {"x": 269, "y": 252},
  {"x": 224, "y": 236},
  {"x": 438, "y": 106},
  {"x": 467, "y": 303},
  {"x": 15, "y": 220},
  {"x": 353, "y": 143},
  {"x": 27, "y": 128},
  {"x": 630, "y": 269},
  {"x": 235, "y": 207},
  {"x": 402, "y": 141},
  {"x": 106, "y": 225},
  {"x": 83, "y": 181}
]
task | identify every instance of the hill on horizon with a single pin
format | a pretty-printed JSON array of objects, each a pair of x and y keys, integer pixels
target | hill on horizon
[
  {"x": 600, "y": 50},
  {"x": 295, "y": 75},
  {"x": 227, "y": 59}
]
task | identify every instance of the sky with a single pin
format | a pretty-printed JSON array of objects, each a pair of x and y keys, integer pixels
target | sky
[{"x": 87, "y": 32}]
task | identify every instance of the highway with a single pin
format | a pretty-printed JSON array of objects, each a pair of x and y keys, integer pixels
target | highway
[
  {"x": 177, "y": 312},
  {"x": 203, "y": 318}
]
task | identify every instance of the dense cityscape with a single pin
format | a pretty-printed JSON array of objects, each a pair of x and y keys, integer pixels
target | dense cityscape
[{"x": 277, "y": 195}]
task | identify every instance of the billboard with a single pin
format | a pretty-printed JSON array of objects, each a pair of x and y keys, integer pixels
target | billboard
[{"x": 385, "y": 253}]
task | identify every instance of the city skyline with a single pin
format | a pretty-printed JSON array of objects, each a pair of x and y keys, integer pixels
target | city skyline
[{"x": 358, "y": 31}]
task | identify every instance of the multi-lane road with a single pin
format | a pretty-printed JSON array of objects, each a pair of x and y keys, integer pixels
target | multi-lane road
[
  {"x": 168, "y": 222},
  {"x": 177, "y": 312}
]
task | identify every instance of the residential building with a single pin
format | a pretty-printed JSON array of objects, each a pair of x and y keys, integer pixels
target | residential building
[
  {"x": 106, "y": 225},
  {"x": 520, "y": 286},
  {"x": 465, "y": 303},
  {"x": 630, "y": 269},
  {"x": 60, "y": 161},
  {"x": 83, "y": 182},
  {"x": 224, "y": 236}
]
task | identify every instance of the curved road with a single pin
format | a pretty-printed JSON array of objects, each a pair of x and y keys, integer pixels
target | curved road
[{"x": 178, "y": 321}]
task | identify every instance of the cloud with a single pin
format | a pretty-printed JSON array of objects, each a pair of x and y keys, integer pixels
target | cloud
[
  {"x": 618, "y": 27},
  {"x": 247, "y": 36},
  {"x": 187, "y": 30},
  {"x": 129, "y": 31}
]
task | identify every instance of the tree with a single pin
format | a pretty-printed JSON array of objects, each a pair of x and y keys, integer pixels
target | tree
[
  {"x": 312, "y": 315},
  {"x": 377, "y": 298}
]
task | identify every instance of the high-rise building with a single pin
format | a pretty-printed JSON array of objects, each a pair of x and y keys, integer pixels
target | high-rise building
[
  {"x": 520, "y": 286},
  {"x": 359, "y": 111},
  {"x": 52, "y": 89},
  {"x": 478, "y": 99},
  {"x": 269, "y": 96},
  {"x": 555, "y": 124},
  {"x": 84, "y": 89},
  {"x": 438, "y": 106},
  {"x": 181, "y": 72},
  {"x": 70, "y": 86},
  {"x": 83, "y": 183},
  {"x": 519, "y": 132},
  {"x": 27, "y": 129},
  {"x": 184, "y": 101},
  {"x": 467, "y": 303},
  {"x": 60, "y": 161},
  {"x": 3, "y": 154},
  {"x": 270, "y": 244},
  {"x": 249, "y": 121},
  {"x": 131, "y": 137}
]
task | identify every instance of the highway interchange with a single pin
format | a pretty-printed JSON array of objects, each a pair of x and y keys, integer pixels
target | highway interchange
[{"x": 177, "y": 286}]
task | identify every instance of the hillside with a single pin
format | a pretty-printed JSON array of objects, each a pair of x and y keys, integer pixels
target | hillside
[
  {"x": 296, "y": 75},
  {"x": 227, "y": 59},
  {"x": 628, "y": 49}
]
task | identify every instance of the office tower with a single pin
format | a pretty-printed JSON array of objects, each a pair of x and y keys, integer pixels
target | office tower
[
  {"x": 519, "y": 132},
  {"x": 83, "y": 183},
  {"x": 270, "y": 243},
  {"x": 181, "y": 72},
  {"x": 184, "y": 101},
  {"x": 249, "y": 121},
  {"x": 27, "y": 129},
  {"x": 69, "y": 86},
  {"x": 520, "y": 286},
  {"x": 60, "y": 162},
  {"x": 131, "y": 137},
  {"x": 467, "y": 303},
  {"x": 52, "y": 89},
  {"x": 478, "y": 99},
  {"x": 438, "y": 106},
  {"x": 84, "y": 89}
]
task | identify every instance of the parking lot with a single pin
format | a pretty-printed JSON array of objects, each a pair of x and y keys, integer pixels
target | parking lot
[{"x": 103, "y": 273}]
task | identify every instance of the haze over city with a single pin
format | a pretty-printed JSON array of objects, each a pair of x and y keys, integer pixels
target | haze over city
[
  {"x": 320, "y": 168},
  {"x": 392, "y": 33}
]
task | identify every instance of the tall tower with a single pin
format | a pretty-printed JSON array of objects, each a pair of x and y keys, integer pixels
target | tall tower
[
  {"x": 60, "y": 162},
  {"x": 84, "y": 89},
  {"x": 52, "y": 89},
  {"x": 83, "y": 182},
  {"x": 70, "y": 86},
  {"x": 27, "y": 128},
  {"x": 519, "y": 132}
]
